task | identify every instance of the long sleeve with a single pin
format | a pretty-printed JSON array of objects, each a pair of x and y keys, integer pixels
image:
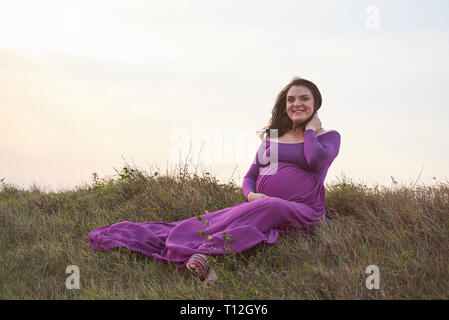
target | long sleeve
[
  {"x": 320, "y": 155},
  {"x": 249, "y": 181}
]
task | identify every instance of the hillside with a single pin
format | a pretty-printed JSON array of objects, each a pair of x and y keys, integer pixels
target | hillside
[{"x": 402, "y": 230}]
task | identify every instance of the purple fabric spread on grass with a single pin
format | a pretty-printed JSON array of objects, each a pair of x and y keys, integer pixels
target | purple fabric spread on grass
[{"x": 293, "y": 183}]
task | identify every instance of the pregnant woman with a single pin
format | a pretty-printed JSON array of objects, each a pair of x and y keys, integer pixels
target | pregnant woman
[{"x": 284, "y": 188}]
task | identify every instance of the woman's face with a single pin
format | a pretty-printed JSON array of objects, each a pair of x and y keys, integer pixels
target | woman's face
[{"x": 299, "y": 104}]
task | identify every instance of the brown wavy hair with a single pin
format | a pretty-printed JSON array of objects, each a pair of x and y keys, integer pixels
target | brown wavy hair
[{"x": 279, "y": 118}]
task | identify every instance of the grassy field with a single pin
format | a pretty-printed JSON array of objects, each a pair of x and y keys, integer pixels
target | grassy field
[{"x": 402, "y": 230}]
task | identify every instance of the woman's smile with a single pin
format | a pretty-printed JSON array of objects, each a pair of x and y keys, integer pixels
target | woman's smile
[{"x": 299, "y": 103}]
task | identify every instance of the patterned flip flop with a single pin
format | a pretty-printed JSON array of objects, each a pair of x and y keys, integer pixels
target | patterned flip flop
[{"x": 200, "y": 261}]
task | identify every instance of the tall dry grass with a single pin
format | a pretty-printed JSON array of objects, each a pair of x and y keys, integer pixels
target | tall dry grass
[{"x": 402, "y": 230}]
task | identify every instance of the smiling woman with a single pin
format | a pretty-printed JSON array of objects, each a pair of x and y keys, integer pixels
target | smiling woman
[
  {"x": 299, "y": 95},
  {"x": 285, "y": 194}
]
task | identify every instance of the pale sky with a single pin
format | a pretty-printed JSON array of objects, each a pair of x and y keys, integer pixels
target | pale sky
[{"x": 87, "y": 84}]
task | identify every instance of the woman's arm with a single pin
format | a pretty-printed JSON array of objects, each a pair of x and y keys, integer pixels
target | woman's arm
[
  {"x": 320, "y": 155},
  {"x": 249, "y": 181}
]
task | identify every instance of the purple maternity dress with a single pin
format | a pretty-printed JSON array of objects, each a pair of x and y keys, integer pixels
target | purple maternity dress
[{"x": 290, "y": 174}]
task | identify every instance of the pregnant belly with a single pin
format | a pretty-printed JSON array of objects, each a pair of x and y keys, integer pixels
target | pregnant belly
[{"x": 289, "y": 182}]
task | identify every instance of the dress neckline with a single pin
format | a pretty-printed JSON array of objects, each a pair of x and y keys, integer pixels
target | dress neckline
[{"x": 301, "y": 141}]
